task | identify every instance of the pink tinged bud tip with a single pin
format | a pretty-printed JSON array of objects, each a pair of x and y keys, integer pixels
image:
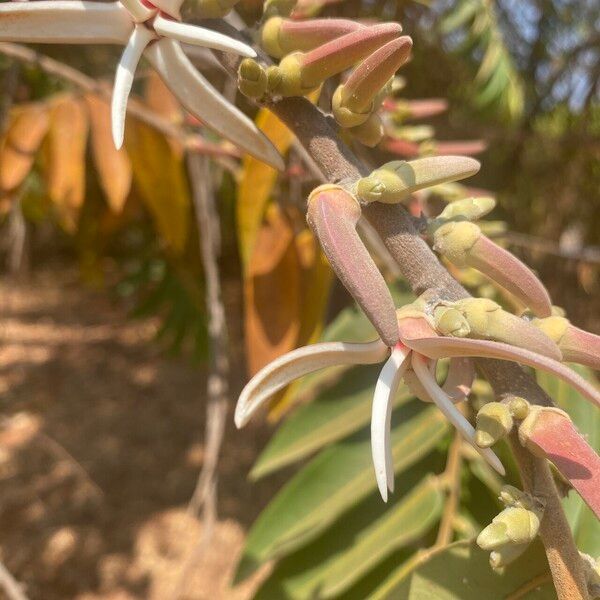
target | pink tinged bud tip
[
  {"x": 358, "y": 93},
  {"x": 340, "y": 54},
  {"x": 285, "y": 369},
  {"x": 466, "y": 147},
  {"x": 281, "y": 36},
  {"x": 550, "y": 433},
  {"x": 385, "y": 391},
  {"x": 581, "y": 347},
  {"x": 464, "y": 245},
  {"x": 333, "y": 214},
  {"x": 461, "y": 374}
]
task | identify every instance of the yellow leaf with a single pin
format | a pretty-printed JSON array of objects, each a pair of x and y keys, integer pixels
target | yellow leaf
[
  {"x": 256, "y": 184},
  {"x": 272, "y": 292},
  {"x": 316, "y": 277},
  {"x": 160, "y": 177},
  {"x": 65, "y": 168},
  {"x": 27, "y": 127},
  {"x": 161, "y": 100},
  {"x": 113, "y": 166}
]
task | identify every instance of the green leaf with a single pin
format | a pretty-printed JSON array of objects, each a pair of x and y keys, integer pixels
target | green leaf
[
  {"x": 461, "y": 571},
  {"x": 364, "y": 538},
  {"x": 335, "y": 414},
  {"x": 585, "y": 526},
  {"x": 332, "y": 483}
]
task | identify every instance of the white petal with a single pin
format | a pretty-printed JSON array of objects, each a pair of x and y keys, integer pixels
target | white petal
[
  {"x": 64, "y": 22},
  {"x": 200, "y": 36},
  {"x": 204, "y": 102},
  {"x": 171, "y": 7},
  {"x": 130, "y": 58},
  {"x": 283, "y": 370},
  {"x": 450, "y": 411},
  {"x": 381, "y": 416},
  {"x": 138, "y": 11}
]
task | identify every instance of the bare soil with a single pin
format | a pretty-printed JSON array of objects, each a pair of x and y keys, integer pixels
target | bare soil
[{"x": 100, "y": 448}]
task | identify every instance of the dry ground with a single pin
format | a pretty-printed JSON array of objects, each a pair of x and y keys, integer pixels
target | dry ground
[{"x": 100, "y": 447}]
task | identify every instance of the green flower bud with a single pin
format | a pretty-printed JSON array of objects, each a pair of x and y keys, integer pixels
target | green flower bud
[
  {"x": 449, "y": 321},
  {"x": 343, "y": 114},
  {"x": 504, "y": 556},
  {"x": 513, "y": 526},
  {"x": 454, "y": 240},
  {"x": 252, "y": 79},
  {"x": 493, "y": 422},
  {"x": 470, "y": 209},
  {"x": 519, "y": 408},
  {"x": 370, "y": 133},
  {"x": 269, "y": 37}
]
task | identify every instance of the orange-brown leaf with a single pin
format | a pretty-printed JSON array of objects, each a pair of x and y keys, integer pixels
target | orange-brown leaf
[
  {"x": 160, "y": 177},
  {"x": 272, "y": 292},
  {"x": 27, "y": 127},
  {"x": 65, "y": 168},
  {"x": 161, "y": 100},
  {"x": 113, "y": 166}
]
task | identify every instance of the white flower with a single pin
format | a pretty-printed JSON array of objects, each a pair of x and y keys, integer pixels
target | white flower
[
  {"x": 155, "y": 31},
  {"x": 413, "y": 359}
]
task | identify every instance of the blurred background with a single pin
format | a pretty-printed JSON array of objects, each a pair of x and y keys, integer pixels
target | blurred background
[{"x": 139, "y": 289}]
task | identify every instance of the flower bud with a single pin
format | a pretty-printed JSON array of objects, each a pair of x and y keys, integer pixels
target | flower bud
[
  {"x": 449, "y": 321},
  {"x": 370, "y": 133},
  {"x": 281, "y": 36},
  {"x": 252, "y": 79},
  {"x": 493, "y": 422},
  {"x": 354, "y": 100},
  {"x": 463, "y": 244},
  {"x": 397, "y": 180},
  {"x": 514, "y": 526},
  {"x": 504, "y": 556},
  {"x": 519, "y": 408},
  {"x": 469, "y": 209}
]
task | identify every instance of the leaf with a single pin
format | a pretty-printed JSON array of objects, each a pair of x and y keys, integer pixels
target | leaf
[
  {"x": 336, "y": 413},
  {"x": 113, "y": 166},
  {"x": 27, "y": 127},
  {"x": 65, "y": 168},
  {"x": 461, "y": 571},
  {"x": 315, "y": 283},
  {"x": 272, "y": 293},
  {"x": 161, "y": 100},
  {"x": 333, "y": 482},
  {"x": 160, "y": 177},
  {"x": 256, "y": 184},
  {"x": 403, "y": 523},
  {"x": 585, "y": 526},
  {"x": 358, "y": 542}
]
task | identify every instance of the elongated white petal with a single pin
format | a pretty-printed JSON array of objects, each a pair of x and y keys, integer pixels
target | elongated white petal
[
  {"x": 381, "y": 417},
  {"x": 439, "y": 347},
  {"x": 204, "y": 102},
  {"x": 283, "y": 370},
  {"x": 130, "y": 58},
  {"x": 200, "y": 36},
  {"x": 140, "y": 12},
  {"x": 64, "y": 22},
  {"x": 171, "y": 7},
  {"x": 450, "y": 411}
]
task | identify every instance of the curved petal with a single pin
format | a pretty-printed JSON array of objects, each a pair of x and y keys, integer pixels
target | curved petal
[
  {"x": 381, "y": 416},
  {"x": 285, "y": 369},
  {"x": 64, "y": 22},
  {"x": 139, "y": 11},
  {"x": 205, "y": 103},
  {"x": 200, "y": 36},
  {"x": 419, "y": 365},
  {"x": 130, "y": 58},
  {"x": 170, "y": 7},
  {"x": 459, "y": 380},
  {"x": 439, "y": 347}
]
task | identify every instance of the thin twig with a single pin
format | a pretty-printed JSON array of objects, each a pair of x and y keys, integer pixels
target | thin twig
[
  {"x": 530, "y": 586},
  {"x": 134, "y": 108},
  {"x": 451, "y": 477},
  {"x": 10, "y": 585}
]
